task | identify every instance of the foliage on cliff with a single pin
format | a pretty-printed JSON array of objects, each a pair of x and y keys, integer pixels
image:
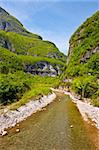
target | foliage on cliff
[
  {"x": 83, "y": 59},
  {"x": 84, "y": 48}
]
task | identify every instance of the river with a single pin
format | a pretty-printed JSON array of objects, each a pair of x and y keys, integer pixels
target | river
[{"x": 51, "y": 130}]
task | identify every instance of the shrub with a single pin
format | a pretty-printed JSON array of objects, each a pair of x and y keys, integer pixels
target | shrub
[
  {"x": 12, "y": 86},
  {"x": 86, "y": 86},
  {"x": 22, "y": 86}
]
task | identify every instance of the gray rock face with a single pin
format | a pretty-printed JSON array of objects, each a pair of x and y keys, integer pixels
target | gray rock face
[
  {"x": 12, "y": 25},
  {"x": 4, "y": 25},
  {"x": 89, "y": 54},
  {"x": 9, "y": 23},
  {"x": 6, "y": 44},
  {"x": 3, "y": 12},
  {"x": 56, "y": 55},
  {"x": 43, "y": 68}
]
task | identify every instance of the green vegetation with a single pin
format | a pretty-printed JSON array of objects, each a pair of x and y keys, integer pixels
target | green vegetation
[
  {"x": 20, "y": 49},
  {"x": 16, "y": 85},
  {"x": 86, "y": 86},
  {"x": 24, "y": 45},
  {"x": 83, "y": 60},
  {"x": 10, "y": 62},
  {"x": 84, "y": 40},
  {"x": 24, "y": 87}
]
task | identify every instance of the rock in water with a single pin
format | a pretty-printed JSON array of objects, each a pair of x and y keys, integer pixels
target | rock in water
[
  {"x": 4, "y": 133},
  {"x": 17, "y": 130},
  {"x": 71, "y": 126}
]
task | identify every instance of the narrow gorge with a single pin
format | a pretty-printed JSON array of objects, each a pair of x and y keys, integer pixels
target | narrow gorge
[{"x": 48, "y": 100}]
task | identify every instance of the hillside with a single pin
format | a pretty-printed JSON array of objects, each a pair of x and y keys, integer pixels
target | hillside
[
  {"x": 83, "y": 59},
  {"x": 23, "y": 55},
  {"x": 15, "y": 38}
]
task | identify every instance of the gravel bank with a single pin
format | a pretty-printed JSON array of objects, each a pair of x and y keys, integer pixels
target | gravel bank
[
  {"x": 87, "y": 111},
  {"x": 11, "y": 118}
]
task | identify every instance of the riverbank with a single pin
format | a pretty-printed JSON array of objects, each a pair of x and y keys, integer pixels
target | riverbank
[
  {"x": 87, "y": 110},
  {"x": 11, "y": 118},
  {"x": 51, "y": 130}
]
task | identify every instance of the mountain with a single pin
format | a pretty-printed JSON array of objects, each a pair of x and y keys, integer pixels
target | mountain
[
  {"x": 27, "y": 63},
  {"x": 11, "y": 24},
  {"x": 83, "y": 59},
  {"x": 84, "y": 47},
  {"x": 33, "y": 54}
]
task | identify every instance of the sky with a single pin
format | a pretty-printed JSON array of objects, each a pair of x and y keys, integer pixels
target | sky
[{"x": 54, "y": 20}]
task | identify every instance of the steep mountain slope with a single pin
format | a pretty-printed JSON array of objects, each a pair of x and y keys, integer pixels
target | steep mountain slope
[
  {"x": 40, "y": 57},
  {"x": 83, "y": 59},
  {"x": 23, "y": 55},
  {"x": 84, "y": 47}
]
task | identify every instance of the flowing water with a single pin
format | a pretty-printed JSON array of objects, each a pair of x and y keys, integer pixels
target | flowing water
[{"x": 50, "y": 130}]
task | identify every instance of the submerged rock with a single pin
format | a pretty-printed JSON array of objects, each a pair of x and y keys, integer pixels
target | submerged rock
[
  {"x": 3, "y": 133},
  {"x": 71, "y": 126},
  {"x": 17, "y": 130}
]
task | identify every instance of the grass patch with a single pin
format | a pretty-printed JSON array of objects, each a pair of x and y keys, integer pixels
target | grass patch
[{"x": 18, "y": 88}]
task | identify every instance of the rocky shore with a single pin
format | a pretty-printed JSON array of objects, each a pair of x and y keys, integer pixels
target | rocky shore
[
  {"x": 11, "y": 118},
  {"x": 87, "y": 110}
]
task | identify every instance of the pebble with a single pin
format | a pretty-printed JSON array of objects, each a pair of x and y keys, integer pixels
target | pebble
[
  {"x": 71, "y": 126},
  {"x": 4, "y": 133},
  {"x": 43, "y": 108},
  {"x": 17, "y": 130}
]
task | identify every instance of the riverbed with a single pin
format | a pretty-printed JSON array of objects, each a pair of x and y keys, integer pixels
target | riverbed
[{"x": 58, "y": 127}]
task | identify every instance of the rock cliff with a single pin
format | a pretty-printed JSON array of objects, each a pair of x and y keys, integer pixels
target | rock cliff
[{"x": 84, "y": 47}]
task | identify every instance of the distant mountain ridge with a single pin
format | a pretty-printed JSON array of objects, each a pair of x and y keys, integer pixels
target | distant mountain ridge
[{"x": 11, "y": 24}]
